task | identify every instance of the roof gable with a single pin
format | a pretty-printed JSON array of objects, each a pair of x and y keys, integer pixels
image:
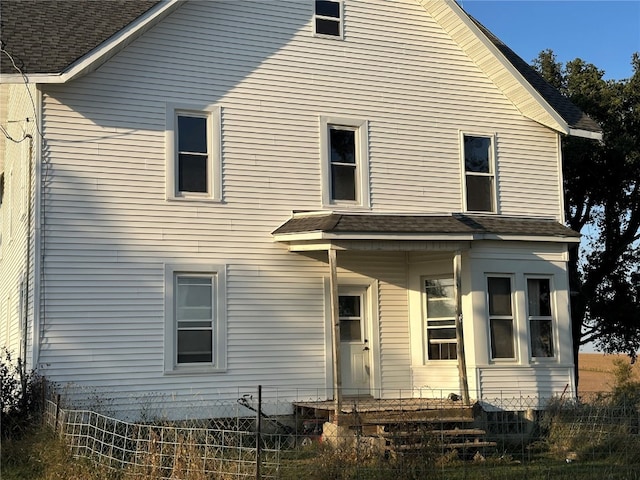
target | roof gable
[
  {"x": 520, "y": 83},
  {"x": 76, "y": 37}
]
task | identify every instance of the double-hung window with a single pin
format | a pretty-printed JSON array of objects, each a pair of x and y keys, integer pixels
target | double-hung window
[
  {"x": 440, "y": 313},
  {"x": 540, "y": 317},
  {"x": 193, "y": 153},
  {"x": 479, "y": 173},
  {"x": 328, "y": 18},
  {"x": 501, "y": 319},
  {"x": 195, "y": 330},
  {"x": 345, "y": 163}
]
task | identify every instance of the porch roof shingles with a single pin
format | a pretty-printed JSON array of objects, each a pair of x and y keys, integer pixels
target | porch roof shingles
[{"x": 473, "y": 225}]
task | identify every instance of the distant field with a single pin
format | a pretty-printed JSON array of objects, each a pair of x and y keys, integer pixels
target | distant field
[{"x": 596, "y": 372}]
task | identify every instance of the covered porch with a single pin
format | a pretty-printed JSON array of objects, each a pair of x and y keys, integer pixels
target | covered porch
[{"x": 337, "y": 238}]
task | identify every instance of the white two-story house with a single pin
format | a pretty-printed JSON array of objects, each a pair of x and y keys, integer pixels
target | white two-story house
[{"x": 328, "y": 198}]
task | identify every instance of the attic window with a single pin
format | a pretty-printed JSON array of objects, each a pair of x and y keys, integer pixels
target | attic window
[{"x": 328, "y": 18}]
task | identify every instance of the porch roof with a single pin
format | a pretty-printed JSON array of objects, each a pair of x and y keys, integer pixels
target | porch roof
[{"x": 332, "y": 226}]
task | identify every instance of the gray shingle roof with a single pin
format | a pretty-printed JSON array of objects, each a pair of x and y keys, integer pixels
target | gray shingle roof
[
  {"x": 571, "y": 114},
  {"x": 47, "y": 36},
  {"x": 458, "y": 224}
]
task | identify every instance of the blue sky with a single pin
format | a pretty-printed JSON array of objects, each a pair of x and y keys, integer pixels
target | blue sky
[{"x": 602, "y": 32}]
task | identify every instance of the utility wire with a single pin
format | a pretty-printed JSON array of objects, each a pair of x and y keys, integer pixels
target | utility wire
[{"x": 25, "y": 79}]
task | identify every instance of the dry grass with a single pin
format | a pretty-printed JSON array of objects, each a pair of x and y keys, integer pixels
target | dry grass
[{"x": 596, "y": 372}]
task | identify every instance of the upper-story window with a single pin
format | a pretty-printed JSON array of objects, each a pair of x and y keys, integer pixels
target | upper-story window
[
  {"x": 479, "y": 173},
  {"x": 345, "y": 164},
  {"x": 193, "y": 153},
  {"x": 328, "y": 18}
]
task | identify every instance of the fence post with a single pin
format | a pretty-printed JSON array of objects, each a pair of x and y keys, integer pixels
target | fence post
[
  {"x": 258, "y": 434},
  {"x": 55, "y": 423}
]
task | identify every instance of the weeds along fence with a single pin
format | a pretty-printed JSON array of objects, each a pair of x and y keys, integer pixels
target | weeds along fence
[{"x": 425, "y": 438}]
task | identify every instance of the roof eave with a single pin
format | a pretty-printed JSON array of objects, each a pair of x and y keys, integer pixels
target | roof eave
[
  {"x": 577, "y": 132},
  {"x": 548, "y": 117},
  {"x": 103, "y": 52},
  {"x": 438, "y": 237}
]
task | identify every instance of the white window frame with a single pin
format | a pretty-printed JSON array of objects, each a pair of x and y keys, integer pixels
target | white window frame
[
  {"x": 218, "y": 274},
  {"x": 339, "y": 21},
  {"x": 426, "y": 319},
  {"x": 492, "y": 172},
  {"x": 513, "y": 317},
  {"x": 214, "y": 149},
  {"x": 361, "y": 128},
  {"x": 552, "y": 318}
]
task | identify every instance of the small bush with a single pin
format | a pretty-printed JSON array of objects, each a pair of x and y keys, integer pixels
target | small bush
[{"x": 20, "y": 396}]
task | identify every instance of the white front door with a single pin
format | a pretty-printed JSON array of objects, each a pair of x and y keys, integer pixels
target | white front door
[{"x": 355, "y": 352}]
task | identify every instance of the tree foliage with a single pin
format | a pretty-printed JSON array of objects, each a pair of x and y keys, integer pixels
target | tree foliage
[{"x": 602, "y": 200}]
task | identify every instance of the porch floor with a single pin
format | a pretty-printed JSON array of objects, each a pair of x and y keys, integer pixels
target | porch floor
[{"x": 365, "y": 404}]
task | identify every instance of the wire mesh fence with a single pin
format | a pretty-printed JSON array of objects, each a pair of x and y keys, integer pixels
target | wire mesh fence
[{"x": 406, "y": 438}]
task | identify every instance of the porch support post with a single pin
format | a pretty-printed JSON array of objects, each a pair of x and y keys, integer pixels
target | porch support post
[
  {"x": 462, "y": 361},
  {"x": 335, "y": 343}
]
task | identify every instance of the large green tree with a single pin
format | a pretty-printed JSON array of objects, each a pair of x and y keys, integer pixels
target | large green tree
[{"x": 602, "y": 200}]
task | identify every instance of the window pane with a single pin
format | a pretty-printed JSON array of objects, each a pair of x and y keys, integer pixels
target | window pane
[
  {"x": 343, "y": 182},
  {"x": 327, "y": 27},
  {"x": 499, "y": 296},
  {"x": 502, "y": 339},
  {"x": 343, "y": 146},
  {"x": 440, "y": 298},
  {"x": 442, "y": 351},
  {"x": 193, "y": 298},
  {"x": 442, "y": 333},
  {"x": 192, "y": 134},
  {"x": 477, "y": 154},
  {"x": 539, "y": 294},
  {"x": 479, "y": 193},
  {"x": 327, "y": 8},
  {"x": 350, "y": 331},
  {"x": 192, "y": 173},
  {"x": 349, "y": 305},
  {"x": 541, "y": 338},
  {"x": 195, "y": 346}
]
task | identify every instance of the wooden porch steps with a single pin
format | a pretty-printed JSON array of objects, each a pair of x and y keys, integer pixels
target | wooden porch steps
[{"x": 410, "y": 425}]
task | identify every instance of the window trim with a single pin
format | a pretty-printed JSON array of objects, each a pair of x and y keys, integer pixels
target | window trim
[
  {"x": 219, "y": 327},
  {"x": 425, "y": 319},
  {"x": 493, "y": 174},
  {"x": 513, "y": 317},
  {"x": 362, "y": 161},
  {"x": 213, "y": 114},
  {"x": 552, "y": 318},
  {"x": 339, "y": 20}
]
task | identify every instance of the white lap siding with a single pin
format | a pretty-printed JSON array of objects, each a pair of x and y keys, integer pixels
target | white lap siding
[{"x": 109, "y": 228}]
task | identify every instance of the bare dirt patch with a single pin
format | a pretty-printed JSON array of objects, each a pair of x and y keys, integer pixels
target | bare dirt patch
[{"x": 596, "y": 372}]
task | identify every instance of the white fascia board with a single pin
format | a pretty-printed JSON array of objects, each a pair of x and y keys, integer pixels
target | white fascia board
[
  {"x": 323, "y": 236},
  {"x": 564, "y": 126},
  {"x": 576, "y": 132},
  {"x": 103, "y": 52},
  {"x": 528, "y": 238}
]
